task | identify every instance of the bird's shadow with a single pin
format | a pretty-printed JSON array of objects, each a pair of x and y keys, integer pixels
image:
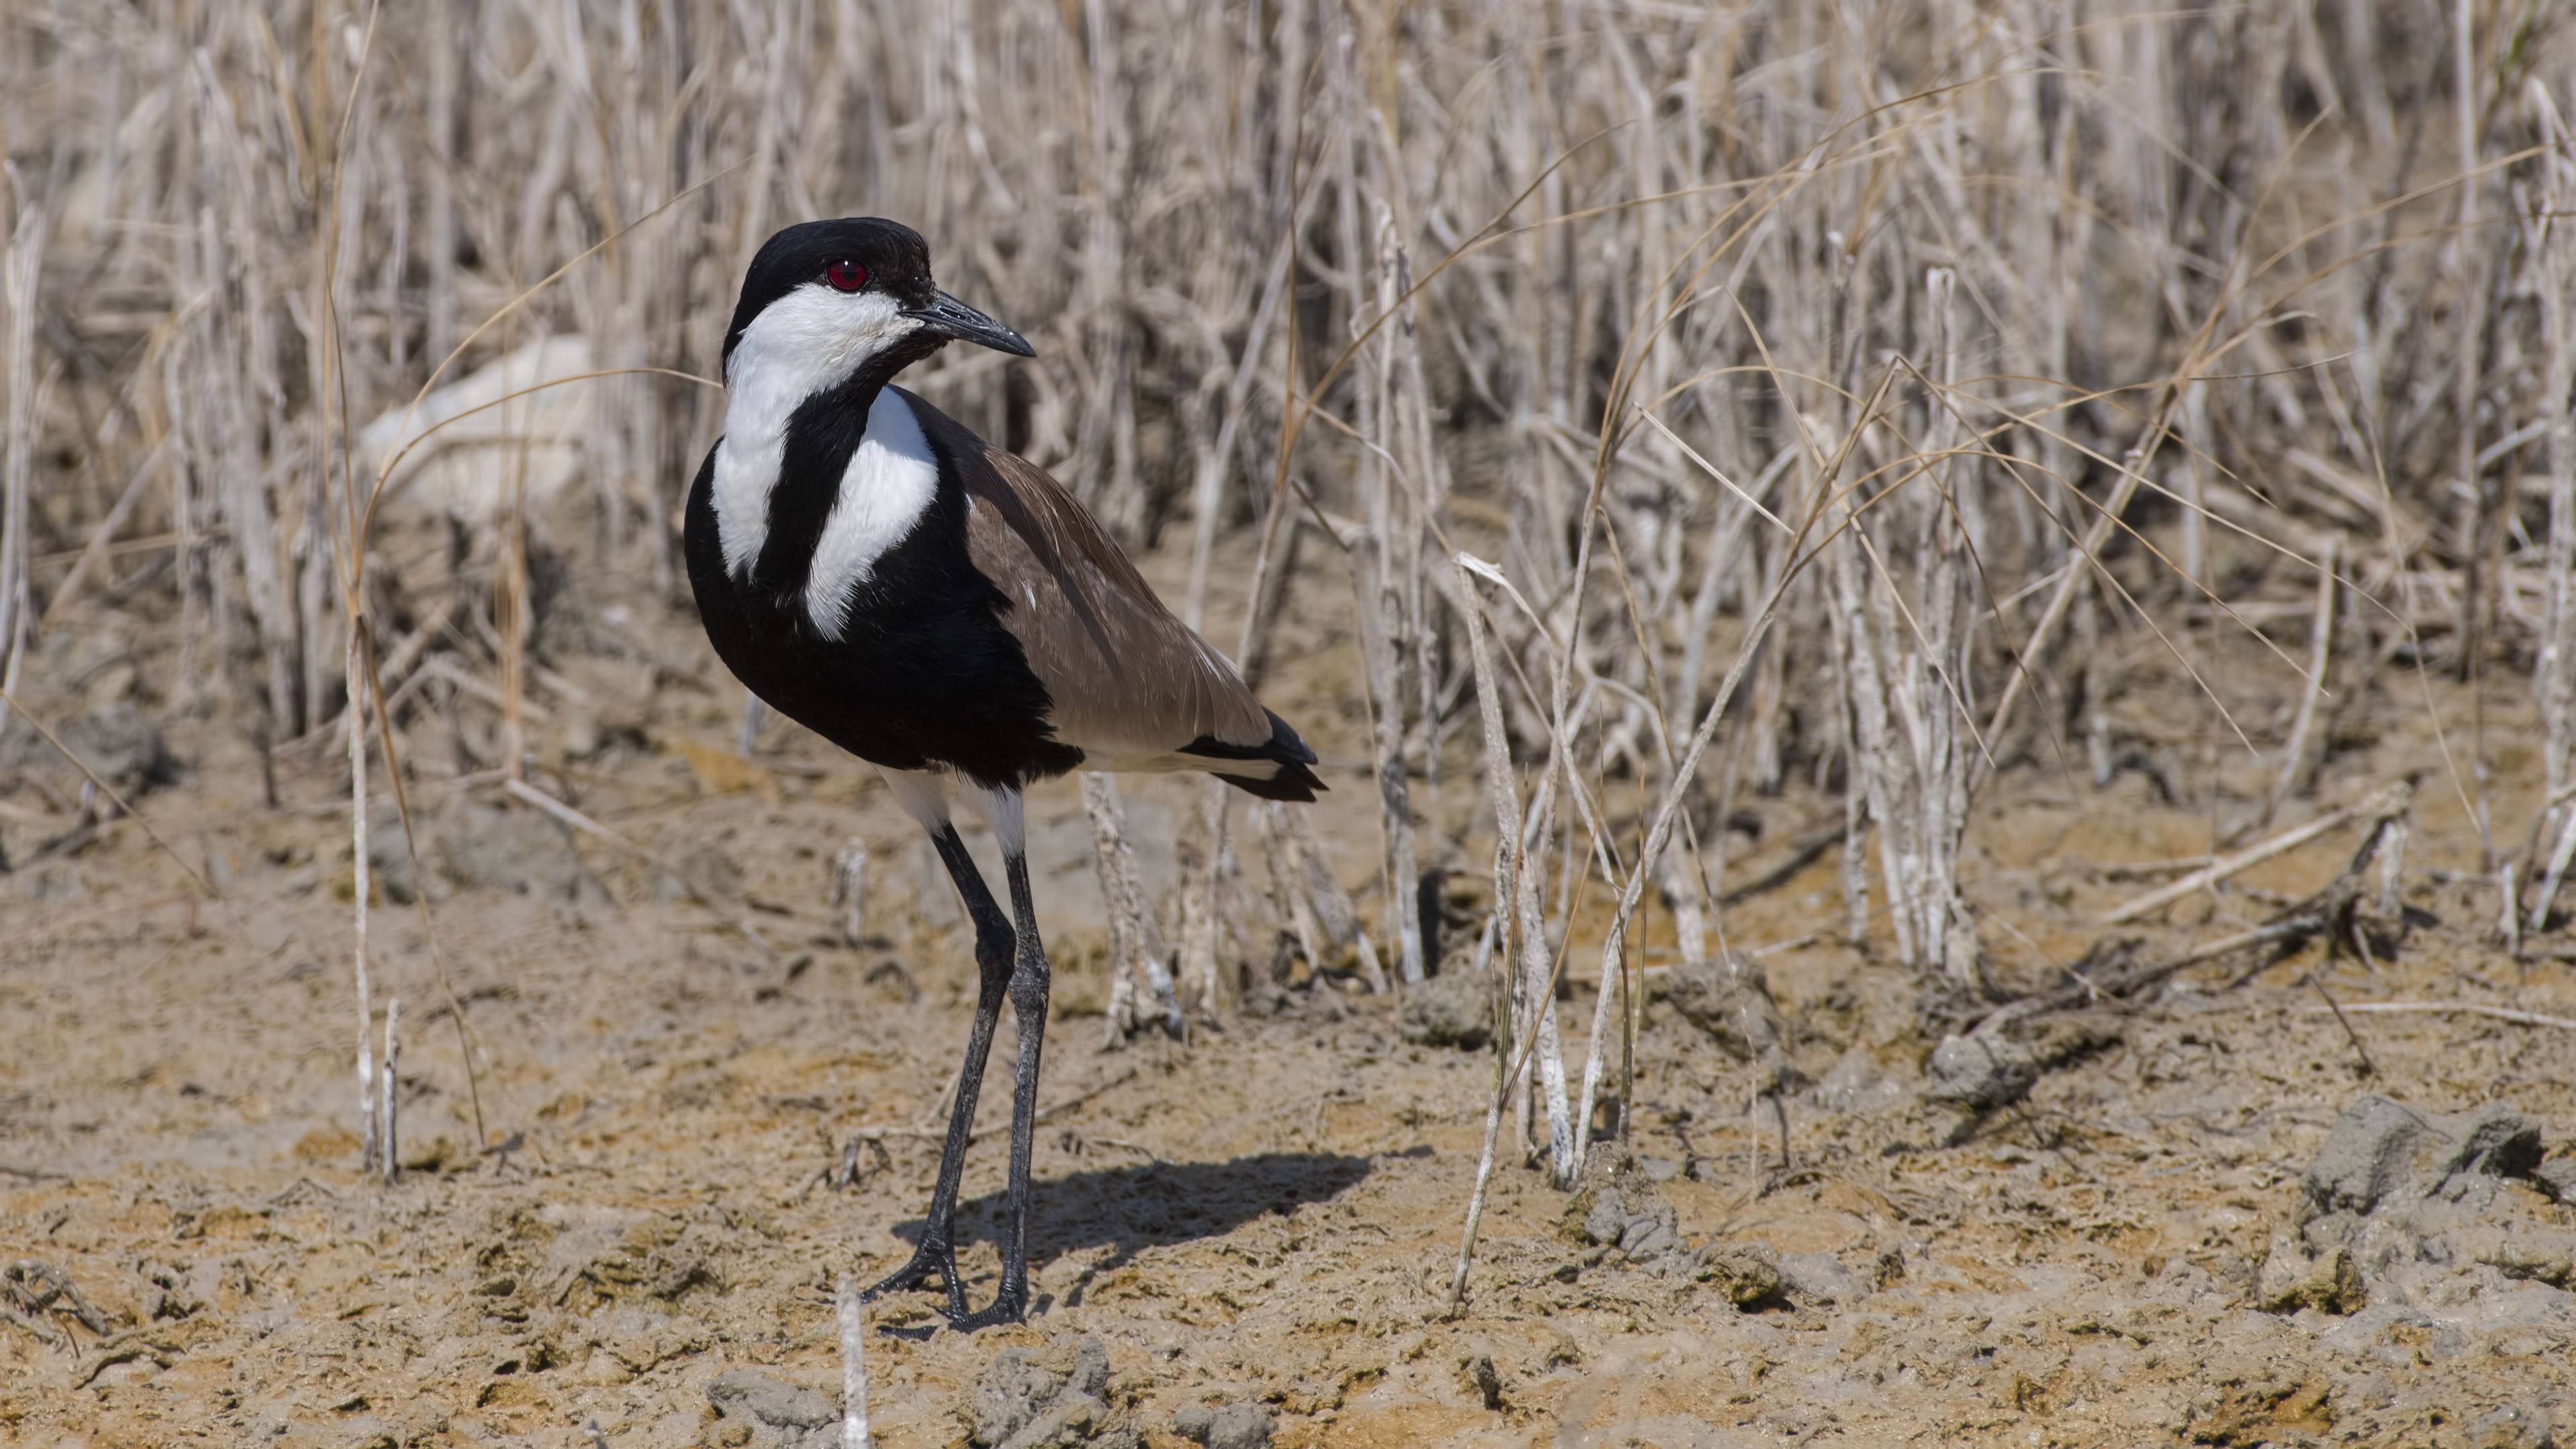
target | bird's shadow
[{"x": 1154, "y": 1204}]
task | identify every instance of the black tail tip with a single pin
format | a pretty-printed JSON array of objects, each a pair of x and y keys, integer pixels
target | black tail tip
[
  {"x": 1294, "y": 783},
  {"x": 1294, "y": 780}
]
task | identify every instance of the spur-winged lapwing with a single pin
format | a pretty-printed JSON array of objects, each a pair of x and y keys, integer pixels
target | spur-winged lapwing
[{"x": 947, "y": 612}]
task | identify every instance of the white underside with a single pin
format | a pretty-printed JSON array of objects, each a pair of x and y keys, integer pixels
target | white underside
[{"x": 923, "y": 794}]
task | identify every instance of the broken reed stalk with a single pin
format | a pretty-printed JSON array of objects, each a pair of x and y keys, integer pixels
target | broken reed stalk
[
  {"x": 1201, "y": 854},
  {"x": 2562, "y": 852},
  {"x": 2442, "y": 1008},
  {"x": 1903, "y": 666},
  {"x": 1676, "y": 790},
  {"x": 850, "y": 891},
  {"x": 1503, "y": 796},
  {"x": 1335, "y": 916},
  {"x": 2376, "y": 808},
  {"x": 124, "y": 808},
  {"x": 1136, "y": 959},
  {"x": 2509, "y": 911},
  {"x": 96, "y": 552},
  {"x": 2369, "y": 1068},
  {"x": 2294, "y": 753},
  {"x": 1533, "y": 997},
  {"x": 372, "y": 1149},
  {"x": 1289, "y": 897},
  {"x": 1381, "y": 565},
  {"x": 20, "y": 270},
  {"x": 2553, "y": 673},
  {"x": 851, "y": 1318},
  {"x": 391, "y": 1078}
]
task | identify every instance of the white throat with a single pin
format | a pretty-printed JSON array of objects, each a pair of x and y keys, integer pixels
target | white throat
[{"x": 804, "y": 343}]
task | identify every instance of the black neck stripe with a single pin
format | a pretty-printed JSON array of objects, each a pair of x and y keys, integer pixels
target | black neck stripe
[{"x": 822, "y": 435}]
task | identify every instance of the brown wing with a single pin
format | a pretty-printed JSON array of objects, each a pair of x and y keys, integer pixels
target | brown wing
[{"x": 1128, "y": 680}]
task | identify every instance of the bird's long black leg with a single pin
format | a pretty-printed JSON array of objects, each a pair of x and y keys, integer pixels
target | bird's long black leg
[
  {"x": 936, "y": 1258},
  {"x": 1028, "y": 991}
]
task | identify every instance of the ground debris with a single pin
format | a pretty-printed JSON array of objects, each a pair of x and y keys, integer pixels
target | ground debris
[
  {"x": 1619, "y": 1209},
  {"x": 1236, "y": 1426},
  {"x": 1820, "y": 1277},
  {"x": 470, "y": 846},
  {"x": 1729, "y": 998},
  {"x": 2511, "y": 1427},
  {"x": 32, "y": 1287},
  {"x": 1451, "y": 1010},
  {"x": 1994, "y": 1068},
  {"x": 2295, "y": 1276},
  {"x": 2398, "y": 1199},
  {"x": 1746, "y": 1274},
  {"x": 117, "y": 743},
  {"x": 1057, "y": 1395},
  {"x": 2259, "y": 1414},
  {"x": 778, "y": 1413}
]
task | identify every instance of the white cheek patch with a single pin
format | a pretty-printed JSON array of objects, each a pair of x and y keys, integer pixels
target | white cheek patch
[
  {"x": 808, "y": 341},
  {"x": 889, "y": 484}
]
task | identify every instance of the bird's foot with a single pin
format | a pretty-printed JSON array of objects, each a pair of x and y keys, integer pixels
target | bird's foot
[
  {"x": 933, "y": 1265},
  {"x": 1011, "y": 1307}
]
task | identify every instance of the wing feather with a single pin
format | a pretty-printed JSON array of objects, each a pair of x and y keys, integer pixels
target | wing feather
[{"x": 1127, "y": 678}]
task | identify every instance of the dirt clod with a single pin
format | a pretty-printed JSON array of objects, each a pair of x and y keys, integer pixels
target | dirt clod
[
  {"x": 1820, "y": 1277},
  {"x": 775, "y": 1412},
  {"x": 2293, "y": 1278},
  {"x": 119, "y": 744},
  {"x": 2510, "y": 1427},
  {"x": 1743, "y": 1273},
  {"x": 2547, "y": 1255},
  {"x": 1452, "y": 1010},
  {"x": 1053, "y": 1396},
  {"x": 1730, "y": 999},
  {"x": 1981, "y": 1072},
  {"x": 1622, "y": 1209},
  {"x": 1480, "y": 1375},
  {"x": 1236, "y": 1426},
  {"x": 469, "y": 846}
]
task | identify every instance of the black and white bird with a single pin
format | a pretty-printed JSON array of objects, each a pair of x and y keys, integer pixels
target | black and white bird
[{"x": 947, "y": 612}]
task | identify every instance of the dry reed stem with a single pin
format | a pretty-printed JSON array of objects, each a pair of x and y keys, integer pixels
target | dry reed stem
[
  {"x": 2320, "y": 652},
  {"x": 1533, "y": 1015},
  {"x": 374, "y": 1139},
  {"x": 20, "y": 268},
  {"x": 850, "y": 892},
  {"x": 392, "y": 1079},
  {"x": 850, "y": 1318},
  {"x": 2451, "y": 1008},
  {"x": 1136, "y": 952},
  {"x": 2377, "y": 809}
]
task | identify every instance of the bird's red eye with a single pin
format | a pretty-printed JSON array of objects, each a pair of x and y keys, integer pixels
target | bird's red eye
[{"x": 847, "y": 275}]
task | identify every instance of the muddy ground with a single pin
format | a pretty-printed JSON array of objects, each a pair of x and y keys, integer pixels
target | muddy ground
[{"x": 1262, "y": 1221}]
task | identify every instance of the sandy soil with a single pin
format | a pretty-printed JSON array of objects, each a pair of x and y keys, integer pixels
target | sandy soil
[{"x": 1267, "y": 1215}]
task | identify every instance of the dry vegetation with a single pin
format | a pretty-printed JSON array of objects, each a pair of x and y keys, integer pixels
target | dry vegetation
[{"x": 1620, "y": 425}]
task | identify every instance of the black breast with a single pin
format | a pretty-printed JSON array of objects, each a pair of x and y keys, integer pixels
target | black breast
[{"x": 923, "y": 674}]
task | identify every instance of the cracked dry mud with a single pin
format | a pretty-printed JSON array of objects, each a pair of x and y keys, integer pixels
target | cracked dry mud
[{"x": 1249, "y": 1237}]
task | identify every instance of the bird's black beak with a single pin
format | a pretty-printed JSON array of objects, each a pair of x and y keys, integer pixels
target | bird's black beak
[{"x": 955, "y": 319}]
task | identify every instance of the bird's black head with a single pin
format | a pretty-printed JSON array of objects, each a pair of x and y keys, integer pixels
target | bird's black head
[{"x": 854, "y": 288}]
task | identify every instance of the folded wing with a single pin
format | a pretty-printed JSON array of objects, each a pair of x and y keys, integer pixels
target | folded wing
[{"x": 1132, "y": 686}]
